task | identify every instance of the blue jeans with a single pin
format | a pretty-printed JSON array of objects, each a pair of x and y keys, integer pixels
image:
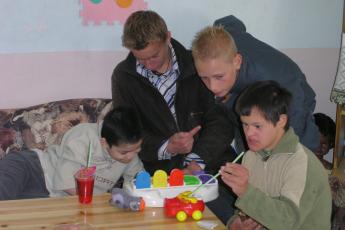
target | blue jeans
[
  {"x": 223, "y": 207},
  {"x": 21, "y": 176}
]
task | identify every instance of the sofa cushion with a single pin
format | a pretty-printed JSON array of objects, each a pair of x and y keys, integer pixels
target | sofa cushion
[{"x": 42, "y": 125}]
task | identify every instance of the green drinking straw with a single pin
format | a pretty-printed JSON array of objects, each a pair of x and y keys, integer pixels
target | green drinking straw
[
  {"x": 215, "y": 176},
  {"x": 89, "y": 155}
]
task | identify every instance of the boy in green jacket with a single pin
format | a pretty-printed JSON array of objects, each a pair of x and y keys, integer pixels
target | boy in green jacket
[{"x": 281, "y": 184}]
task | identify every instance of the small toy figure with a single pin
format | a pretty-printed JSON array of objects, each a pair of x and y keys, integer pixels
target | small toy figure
[
  {"x": 123, "y": 200},
  {"x": 184, "y": 205}
]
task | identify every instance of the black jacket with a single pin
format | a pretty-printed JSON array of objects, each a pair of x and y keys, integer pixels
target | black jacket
[{"x": 194, "y": 105}]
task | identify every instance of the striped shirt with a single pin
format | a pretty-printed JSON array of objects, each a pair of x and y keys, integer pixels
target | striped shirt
[{"x": 164, "y": 83}]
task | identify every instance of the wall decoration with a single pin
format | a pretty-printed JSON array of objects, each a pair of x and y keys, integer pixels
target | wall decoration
[{"x": 109, "y": 11}]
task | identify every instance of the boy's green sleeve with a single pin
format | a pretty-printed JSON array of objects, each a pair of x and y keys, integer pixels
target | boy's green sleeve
[{"x": 255, "y": 203}]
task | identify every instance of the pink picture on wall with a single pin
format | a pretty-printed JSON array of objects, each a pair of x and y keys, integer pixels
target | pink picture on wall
[{"x": 109, "y": 11}]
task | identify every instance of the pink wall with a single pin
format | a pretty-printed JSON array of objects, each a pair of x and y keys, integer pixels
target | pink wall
[{"x": 29, "y": 79}]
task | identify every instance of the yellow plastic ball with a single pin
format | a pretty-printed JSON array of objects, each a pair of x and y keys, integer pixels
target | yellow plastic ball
[
  {"x": 197, "y": 215},
  {"x": 181, "y": 216}
]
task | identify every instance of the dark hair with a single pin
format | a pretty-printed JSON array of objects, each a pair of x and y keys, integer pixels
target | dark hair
[
  {"x": 121, "y": 126},
  {"x": 143, "y": 27},
  {"x": 326, "y": 127},
  {"x": 268, "y": 97}
]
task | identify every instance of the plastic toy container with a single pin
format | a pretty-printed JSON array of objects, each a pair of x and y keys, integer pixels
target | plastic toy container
[{"x": 154, "y": 193}]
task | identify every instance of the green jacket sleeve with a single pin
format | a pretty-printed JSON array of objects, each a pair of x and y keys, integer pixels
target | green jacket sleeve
[{"x": 282, "y": 211}]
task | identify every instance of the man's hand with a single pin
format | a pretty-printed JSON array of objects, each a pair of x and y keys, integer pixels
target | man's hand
[
  {"x": 247, "y": 224},
  {"x": 235, "y": 176},
  {"x": 182, "y": 142},
  {"x": 192, "y": 167}
]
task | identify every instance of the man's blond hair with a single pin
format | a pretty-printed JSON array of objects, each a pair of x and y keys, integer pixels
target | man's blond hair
[
  {"x": 213, "y": 42},
  {"x": 143, "y": 27}
]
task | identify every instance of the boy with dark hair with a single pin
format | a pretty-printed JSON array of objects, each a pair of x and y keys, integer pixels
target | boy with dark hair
[
  {"x": 115, "y": 144},
  {"x": 280, "y": 184},
  {"x": 327, "y": 131}
]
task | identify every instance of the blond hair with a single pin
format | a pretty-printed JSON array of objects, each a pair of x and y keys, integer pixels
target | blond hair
[
  {"x": 213, "y": 42},
  {"x": 143, "y": 27}
]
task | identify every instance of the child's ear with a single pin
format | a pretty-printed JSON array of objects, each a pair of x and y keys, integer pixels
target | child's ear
[
  {"x": 283, "y": 118},
  {"x": 237, "y": 61},
  {"x": 168, "y": 37}
]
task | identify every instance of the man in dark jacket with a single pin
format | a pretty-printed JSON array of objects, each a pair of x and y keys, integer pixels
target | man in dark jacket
[
  {"x": 180, "y": 121},
  {"x": 228, "y": 59},
  {"x": 183, "y": 127}
]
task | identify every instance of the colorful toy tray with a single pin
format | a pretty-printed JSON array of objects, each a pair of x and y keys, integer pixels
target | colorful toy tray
[{"x": 154, "y": 190}]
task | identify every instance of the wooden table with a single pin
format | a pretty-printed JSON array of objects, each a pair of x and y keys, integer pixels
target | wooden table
[{"x": 51, "y": 213}]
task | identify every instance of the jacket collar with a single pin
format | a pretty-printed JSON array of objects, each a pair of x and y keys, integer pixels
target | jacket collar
[
  {"x": 241, "y": 79},
  {"x": 287, "y": 144},
  {"x": 184, "y": 59}
]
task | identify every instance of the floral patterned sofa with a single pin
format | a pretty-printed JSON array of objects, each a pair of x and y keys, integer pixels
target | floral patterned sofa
[{"x": 42, "y": 125}]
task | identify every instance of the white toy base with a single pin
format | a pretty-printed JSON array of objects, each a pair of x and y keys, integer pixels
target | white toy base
[{"x": 154, "y": 197}]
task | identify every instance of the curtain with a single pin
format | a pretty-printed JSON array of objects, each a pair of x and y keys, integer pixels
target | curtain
[{"x": 338, "y": 91}]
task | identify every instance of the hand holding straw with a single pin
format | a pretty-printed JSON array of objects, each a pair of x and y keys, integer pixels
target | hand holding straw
[{"x": 215, "y": 176}]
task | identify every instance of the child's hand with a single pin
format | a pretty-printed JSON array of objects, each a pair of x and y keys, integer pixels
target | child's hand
[
  {"x": 191, "y": 168},
  {"x": 235, "y": 176},
  {"x": 247, "y": 224}
]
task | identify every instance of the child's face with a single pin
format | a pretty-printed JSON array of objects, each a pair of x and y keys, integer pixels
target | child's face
[
  {"x": 124, "y": 153},
  {"x": 155, "y": 57},
  {"x": 260, "y": 133},
  {"x": 323, "y": 147},
  {"x": 219, "y": 75}
]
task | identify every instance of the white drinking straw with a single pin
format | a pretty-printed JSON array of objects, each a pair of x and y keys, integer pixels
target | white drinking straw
[
  {"x": 215, "y": 176},
  {"x": 89, "y": 155}
]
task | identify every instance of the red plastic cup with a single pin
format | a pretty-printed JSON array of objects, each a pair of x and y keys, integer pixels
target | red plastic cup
[{"x": 84, "y": 187}]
